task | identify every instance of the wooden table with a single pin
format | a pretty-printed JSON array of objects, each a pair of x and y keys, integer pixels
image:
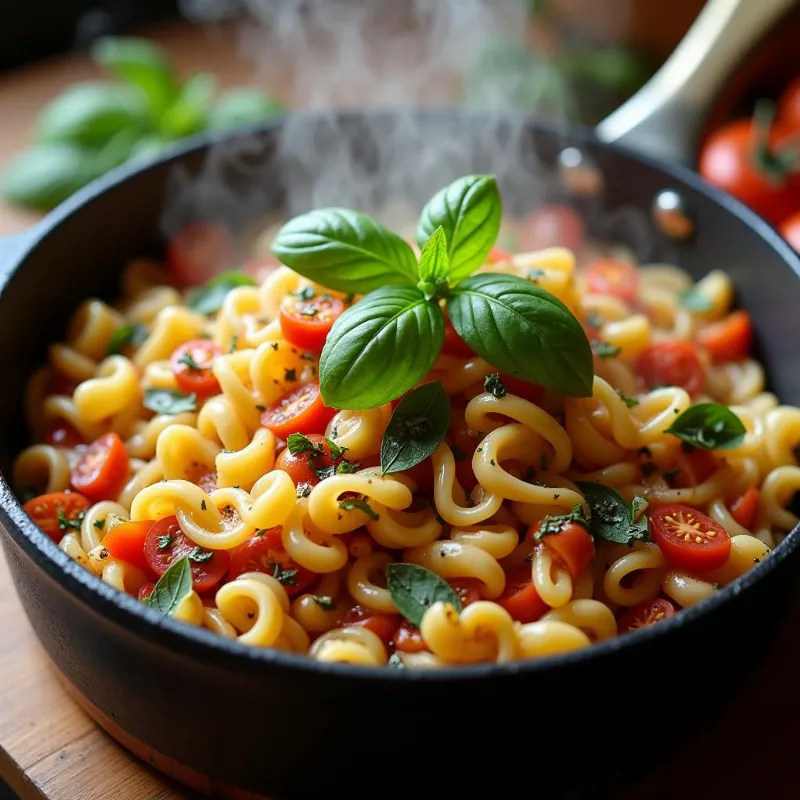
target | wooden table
[{"x": 50, "y": 749}]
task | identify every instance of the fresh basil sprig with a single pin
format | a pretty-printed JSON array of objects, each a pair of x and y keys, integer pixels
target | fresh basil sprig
[
  {"x": 387, "y": 342},
  {"x": 415, "y": 589},
  {"x": 709, "y": 426},
  {"x": 172, "y": 587},
  {"x": 417, "y": 427},
  {"x": 210, "y": 298},
  {"x": 610, "y": 517},
  {"x": 169, "y": 401}
]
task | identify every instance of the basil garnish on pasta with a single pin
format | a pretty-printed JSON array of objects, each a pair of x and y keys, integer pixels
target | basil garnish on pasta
[
  {"x": 611, "y": 517},
  {"x": 694, "y": 300},
  {"x": 169, "y": 401},
  {"x": 709, "y": 426},
  {"x": 384, "y": 345},
  {"x": 210, "y": 298},
  {"x": 415, "y": 589},
  {"x": 172, "y": 587},
  {"x": 417, "y": 427},
  {"x": 129, "y": 335}
]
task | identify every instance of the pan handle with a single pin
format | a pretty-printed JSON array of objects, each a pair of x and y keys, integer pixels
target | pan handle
[{"x": 665, "y": 117}]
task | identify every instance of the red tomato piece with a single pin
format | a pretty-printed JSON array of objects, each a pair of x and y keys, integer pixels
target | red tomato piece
[
  {"x": 56, "y": 513},
  {"x": 198, "y": 252},
  {"x": 527, "y": 391},
  {"x": 572, "y": 546},
  {"x": 693, "y": 468},
  {"x": 454, "y": 345},
  {"x": 745, "y": 507},
  {"x": 166, "y": 543},
  {"x": 300, "y": 411},
  {"x": 126, "y": 542},
  {"x": 408, "y": 639},
  {"x": 467, "y": 589},
  {"x": 688, "y": 538},
  {"x": 790, "y": 230},
  {"x": 498, "y": 255},
  {"x": 266, "y": 553},
  {"x": 552, "y": 226},
  {"x": 789, "y": 105},
  {"x": 301, "y": 466},
  {"x": 145, "y": 590},
  {"x": 382, "y": 625},
  {"x": 103, "y": 468},
  {"x": 192, "y": 366},
  {"x": 644, "y": 614},
  {"x": 306, "y": 323},
  {"x": 729, "y": 339},
  {"x": 671, "y": 363},
  {"x": 616, "y": 278},
  {"x": 520, "y": 597},
  {"x": 62, "y": 434}
]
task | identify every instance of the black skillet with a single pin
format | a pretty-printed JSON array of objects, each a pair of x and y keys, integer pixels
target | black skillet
[{"x": 218, "y": 715}]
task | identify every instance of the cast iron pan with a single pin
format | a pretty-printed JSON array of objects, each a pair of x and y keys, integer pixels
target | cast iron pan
[{"x": 218, "y": 715}]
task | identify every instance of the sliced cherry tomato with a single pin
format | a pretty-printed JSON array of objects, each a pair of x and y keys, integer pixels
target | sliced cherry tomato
[
  {"x": 789, "y": 105},
  {"x": 300, "y": 411},
  {"x": 688, "y": 538},
  {"x": 408, "y": 639},
  {"x": 498, "y": 255},
  {"x": 644, "y": 614},
  {"x": 463, "y": 444},
  {"x": 790, "y": 230},
  {"x": 306, "y": 323},
  {"x": 745, "y": 507},
  {"x": 616, "y": 278},
  {"x": 552, "y": 226},
  {"x": 467, "y": 589},
  {"x": 454, "y": 345},
  {"x": 572, "y": 546},
  {"x": 101, "y": 472},
  {"x": 527, "y": 391},
  {"x": 382, "y": 625},
  {"x": 266, "y": 553},
  {"x": 192, "y": 365},
  {"x": 145, "y": 590},
  {"x": 731, "y": 158},
  {"x": 693, "y": 468},
  {"x": 301, "y": 466},
  {"x": 671, "y": 363},
  {"x": 62, "y": 434},
  {"x": 729, "y": 339},
  {"x": 165, "y": 543},
  {"x": 520, "y": 597},
  {"x": 199, "y": 252},
  {"x": 126, "y": 542},
  {"x": 57, "y": 513}
]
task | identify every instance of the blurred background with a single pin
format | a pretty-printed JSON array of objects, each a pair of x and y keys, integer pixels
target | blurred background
[{"x": 86, "y": 85}]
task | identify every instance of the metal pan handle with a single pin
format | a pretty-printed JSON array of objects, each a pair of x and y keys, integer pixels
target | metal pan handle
[{"x": 664, "y": 118}]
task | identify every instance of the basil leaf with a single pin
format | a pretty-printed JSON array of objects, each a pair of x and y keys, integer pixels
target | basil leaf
[
  {"x": 169, "y": 401},
  {"x": 210, "y": 298},
  {"x": 415, "y": 589},
  {"x": 240, "y": 107},
  {"x": 345, "y": 251},
  {"x": 91, "y": 113},
  {"x": 610, "y": 517},
  {"x": 187, "y": 113},
  {"x": 172, "y": 587},
  {"x": 141, "y": 64},
  {"x": 417, "y": 427},
  {"x": 469, "y": 211},
  {"x": 710, "y": 426},
  {"x": 524, "y": 331},
  {"x": 433, "y": 260},
  {"x": 380, "y": 347},
  {"x": 128, "y": 335},
  {"x": 694, "y": 300},
  {"x": 359, "y": 504}
]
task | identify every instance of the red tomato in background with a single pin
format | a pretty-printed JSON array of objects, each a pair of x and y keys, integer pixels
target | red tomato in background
[
  {"x": 729, "y": 339},
  {"x": 454, "y": 345},
  {"x": 616, "y": 278},
  {"x": 672, "y": 362},
  {"x": 552, "y": 226},
  {"x": 572, "y": 546},
  {"x": 103, "y": 468},
  {"x": 198, "y": 252},
  {"x": 790, "y": 230},
  {"x": 126, "y": 542},
  {"x": 62, "y": 434},
  {"x": 789, "y": 106}
]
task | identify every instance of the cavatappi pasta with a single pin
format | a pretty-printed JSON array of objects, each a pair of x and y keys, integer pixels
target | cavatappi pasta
[{"x": 290, "y": 551}]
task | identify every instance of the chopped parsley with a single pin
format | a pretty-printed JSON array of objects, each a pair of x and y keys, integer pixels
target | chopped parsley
[
  {"x": 358, "y": 504},
  {"x": 200, "y": 556},
  {"x": 306, "y": 293},
  {"x": 346, "y": 467},
  {"x": 99, "y": 524},
  {"x": 303, "y": 489},
  {"x": 324, "y": 601},
  {"x": 64, "y": 522},
  {"x": 165, "y": 541},
  {"x": 535, "y": 274},
  {"x": 605, "y": 349},
  {"x": 188, "y": 361},
  {"x": 493, "y": 384},
  {"x": 551, "y": 525},
  {"x": 286, "y": 577},
  {"x": 629, "y": 401},
  {"x": 234, "y": 344}
]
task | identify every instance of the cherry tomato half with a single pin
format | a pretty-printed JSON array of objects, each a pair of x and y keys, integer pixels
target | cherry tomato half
[
  {"x": 688, "y": 538},
  {"x": 572, "y": 546},
  {"x": 520, "y": 597},
  {"x": 616, "y": 278},
  {"x": 382, "y": 625},
  {"x": 552, "y": 226},
  {"x": 165, "y": 543},
  {"x": 644, "y": 614},
  {"x": 408, "y": 639},
  {"x": 56, "y": 513},
  {"x": 694, "y": 467},
  {"x": 62, "y": 434},
  {"x": 745, "y": 507},
  {"x": 790, "y": 230},
  {"x": 789, "y": 105},
  {"x": 126, "y": 542},
  {"x": 671, "y": 363},
  {"x": 307, "y": 323},
  {"x": 300, "y": 467},
  {"x": 101, "y": 472},
  {"x": 729, "y": 339},
  {"x": 199, "y": 252},
  {"x": 300, "y": 411},
  {"x": 467, "y": 589},
  {"x": 192, "y": 365},
  {"x": 266, "y": 553}
]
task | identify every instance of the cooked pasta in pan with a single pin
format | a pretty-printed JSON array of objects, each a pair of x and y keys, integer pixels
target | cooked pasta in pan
[{"x": 418, "y": 454}]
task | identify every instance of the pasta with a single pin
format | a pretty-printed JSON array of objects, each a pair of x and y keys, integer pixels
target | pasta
[{"x": 162, "y": 437}]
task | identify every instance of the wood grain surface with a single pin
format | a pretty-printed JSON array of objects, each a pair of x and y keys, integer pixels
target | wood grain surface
[{"x": 50, "y": 749}]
